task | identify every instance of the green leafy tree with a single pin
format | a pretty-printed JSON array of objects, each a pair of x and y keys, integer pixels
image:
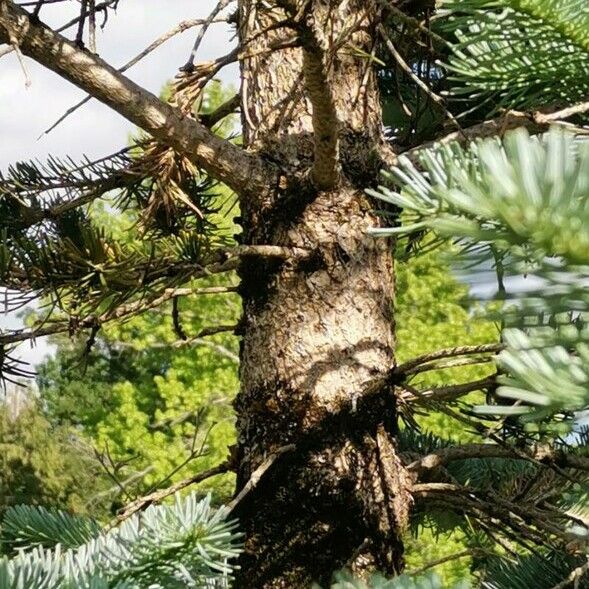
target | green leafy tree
[{"x": 42, "y": 464}]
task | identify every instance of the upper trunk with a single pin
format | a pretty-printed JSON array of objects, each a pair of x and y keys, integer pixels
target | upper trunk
[{"x": 316, "y": 334}]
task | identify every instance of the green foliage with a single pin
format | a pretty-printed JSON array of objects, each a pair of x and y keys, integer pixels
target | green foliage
[
  {"x": 27, "y": 526},
  {"x": 152, "y": 404},
  {"x": 522, "y": 202},
  {"x": 187, "y": 544},
  {"x": 542, "y": 571},
  {"x": 518, "y": 53},
  {"x": 44, "y": 464},
  {"x": 347, "y": 581},
  {"x": 432, "y": 311}
]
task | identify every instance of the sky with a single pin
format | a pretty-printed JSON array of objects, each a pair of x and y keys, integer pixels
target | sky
[{"x": 95, "y": 130}]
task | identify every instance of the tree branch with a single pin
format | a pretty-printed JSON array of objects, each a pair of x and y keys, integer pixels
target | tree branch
[
  {"x": 535, "y": 122},
  {"x": 447, "y": 393},
  {"x": 574, "y": 577},
  {"x": 241, "y": 171},
  {"x": 179, "y": 28},
  {"x": 541, "y": 454},
  {"x": 407, "y": 367},
  {"x": 528, "y": 521},
  {"x": 325, "y": 170},
  {"x": 220, "y": 261},
  {"x": 158, "y": 496},
  {"x": 226, "y": 109}
]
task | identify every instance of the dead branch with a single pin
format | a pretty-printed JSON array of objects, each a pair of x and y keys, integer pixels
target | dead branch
[
  {"x": 220, "y": 262},
  {"x": 527, "y": 521},
  {"x": 542, "y": 454},
  {"x": 257, "y": 476},
  {"x": 158, "y": 496},
  {"x": 179, "y": 28},
  {"x": 446, "y": 393},
  {"x": 415, "y": 78},
  {"x": 444, "y": 559},
  {"x": 535, "y": 122},
  {"x": 410, "y": 365},
  {"x": 189, "y": 65},
  {"x": 575, "y": 576}
]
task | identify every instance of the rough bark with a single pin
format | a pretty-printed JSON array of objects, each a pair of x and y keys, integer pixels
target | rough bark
[{"x": 316, "y": 334}]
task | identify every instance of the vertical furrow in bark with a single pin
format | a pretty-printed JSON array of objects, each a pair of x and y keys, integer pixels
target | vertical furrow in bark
[{"x": 318, "y": 333}]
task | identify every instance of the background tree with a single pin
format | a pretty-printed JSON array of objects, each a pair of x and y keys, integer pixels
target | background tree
[{"x": 325, "y": 476}]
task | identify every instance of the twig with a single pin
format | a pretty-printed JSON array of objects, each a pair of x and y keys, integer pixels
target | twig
[
  {"x": 406, "y": 367},
  {"x": 575, "y": 576},
  {"x": 80, "y": 34},
  {"x": 23, "y": 65},
  {"x": 176, "y": 320},
  {"x": 257, "y": 475},
  {"x": 189, "y": 65},
  {"x": 158, "y": 496},
  {"x": 98, "y": 8},
  {"x": 180, "y": 28},
  {"x": 416, "y": 79},
  {"x": 451, "y": 392},
  {"x": 414, "y": 23},
  {"x": 445, "y": 365},
  {"x": 534, "y": 122},
  {"x": 37, "y": 9},
  {"x": 92, "y": 25},
  {"x": 444, "y": 559},
  {"x": 543, "y": 456},
  {"x": 220, "y": 261},
  {"x": 560, "y": 115}
]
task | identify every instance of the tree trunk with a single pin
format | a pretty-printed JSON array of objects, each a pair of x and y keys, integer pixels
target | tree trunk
[{"x": 317, "y": 333}]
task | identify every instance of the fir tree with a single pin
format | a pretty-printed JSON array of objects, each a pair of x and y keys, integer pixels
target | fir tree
[{"x": 326, "y": 477}]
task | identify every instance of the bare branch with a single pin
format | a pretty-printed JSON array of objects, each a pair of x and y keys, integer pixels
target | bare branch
[
  {"x": 535, "y": 122},
  {"x": 258, "y": 474},
  {"x": 543, "y": 455},
  {"x": 189, "y": 65},
  {"x": 575, "y": 576},
  {"x": 157, "y": 496},
  {"x": 220, "y": 261},
  {"x": 241, "y": 171},
  {"x": 446, "y": 393},
  {"x": 325, "y": 171},
  {"x": 444, "y": 559},
  {"x": 179, "y": 28},
  {"x": 561, "y": 115},
  {"x": 413, "y": 23},
  {"x": 407, "y": 367},
  {"x": 416, "y": 79},
  {"x": 528, "y": 521}
]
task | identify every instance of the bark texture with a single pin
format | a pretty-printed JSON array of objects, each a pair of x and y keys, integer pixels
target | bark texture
[{"x": 316, "y": 333}]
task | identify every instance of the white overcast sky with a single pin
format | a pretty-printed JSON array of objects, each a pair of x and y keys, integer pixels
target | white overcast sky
[{"x": 95, "y": 130}]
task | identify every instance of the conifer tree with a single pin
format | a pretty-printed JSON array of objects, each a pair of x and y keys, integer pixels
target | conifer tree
[{"x": 327, "y": 477}]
